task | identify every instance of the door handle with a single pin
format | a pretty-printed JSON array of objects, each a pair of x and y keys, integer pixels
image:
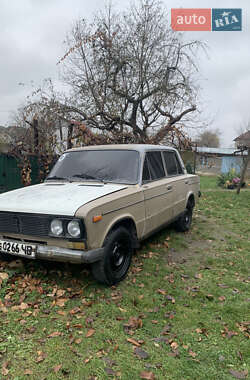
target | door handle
[
  {"x": 169, "y": 187},
  {"x": 186, "y": 182}
]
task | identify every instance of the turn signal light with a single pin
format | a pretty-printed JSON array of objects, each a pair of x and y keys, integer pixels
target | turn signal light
[{"x": 97, "y": 218}]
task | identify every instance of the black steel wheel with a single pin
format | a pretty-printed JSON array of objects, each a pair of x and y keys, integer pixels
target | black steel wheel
[
  {"x": 185, "y": 220},
  {"x": 118, "y": 252}
]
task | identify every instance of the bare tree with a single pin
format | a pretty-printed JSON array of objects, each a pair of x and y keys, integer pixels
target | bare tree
[
  {"x": 243, "y": 127},
  {"x": 209, "y": 139},
  {"x": 34, "y": 134},
  {"x": 130, "y": 74},
  {"x": 243, "y": 145}
]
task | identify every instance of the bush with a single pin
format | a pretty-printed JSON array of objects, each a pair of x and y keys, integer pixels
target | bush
[
  {"x": 229, "y": 180},
  {"x": 189, "y": 168}
]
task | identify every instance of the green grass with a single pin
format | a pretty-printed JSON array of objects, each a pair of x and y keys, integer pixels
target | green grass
[
  {"x": 208, "y": 182},
  {"x": 188, "y": 295}
]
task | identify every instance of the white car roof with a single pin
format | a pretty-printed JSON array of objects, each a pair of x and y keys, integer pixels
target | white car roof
[{"x": 138, "y": 147}]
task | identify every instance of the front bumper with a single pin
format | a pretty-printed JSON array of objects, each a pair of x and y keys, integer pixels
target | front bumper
[{"x": 47, "y": 252}]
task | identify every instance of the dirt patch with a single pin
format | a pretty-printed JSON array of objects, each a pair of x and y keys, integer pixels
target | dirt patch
[{"x": 197, "y": 249}]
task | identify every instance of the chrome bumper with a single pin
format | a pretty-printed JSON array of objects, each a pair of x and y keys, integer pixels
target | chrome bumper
[{"x": 46, "y": 252}]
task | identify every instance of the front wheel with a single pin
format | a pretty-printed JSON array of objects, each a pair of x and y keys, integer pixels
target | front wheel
[
  {"x": 118, "y": 250},
  {"x": 7, "y": 257}
]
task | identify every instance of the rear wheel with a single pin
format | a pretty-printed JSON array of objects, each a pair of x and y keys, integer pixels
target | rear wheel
[
  {"x": 118, "y": 251},
  {"x": 185, "y": 220}
]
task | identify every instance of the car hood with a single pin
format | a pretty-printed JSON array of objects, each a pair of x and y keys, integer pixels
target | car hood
[{"x": 55, "y": 198}]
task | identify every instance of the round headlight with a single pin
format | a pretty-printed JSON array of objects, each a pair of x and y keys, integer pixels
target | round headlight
[
  {"x": 74, "y": 228},
  {"x": 56, "y": 227}
]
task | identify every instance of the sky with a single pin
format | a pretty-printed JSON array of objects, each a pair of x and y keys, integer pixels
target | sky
[{"x": 31, "y": 44}]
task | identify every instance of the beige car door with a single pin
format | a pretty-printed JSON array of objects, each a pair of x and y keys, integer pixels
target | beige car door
[
  {"x": 158, "y": 193},
  {"x": 177, "y": 179}
]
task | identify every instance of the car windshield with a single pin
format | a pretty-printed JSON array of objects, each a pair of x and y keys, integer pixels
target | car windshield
[{"x": 120, "y": 166}]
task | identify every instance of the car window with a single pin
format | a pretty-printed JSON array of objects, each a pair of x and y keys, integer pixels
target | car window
[
  {"x": 179, "y": 168},
  {"x": 172, "y": 163},
  {"x": 153, "y": 167},
  {"x": 118, "y": 166},
  {"x": 146, "y": 174}
]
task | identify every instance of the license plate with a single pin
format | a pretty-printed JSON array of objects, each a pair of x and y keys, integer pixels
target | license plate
[{"x": 18, "y": 249}]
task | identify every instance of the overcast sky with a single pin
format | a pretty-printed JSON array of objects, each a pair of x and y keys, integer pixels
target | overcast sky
[{"x": 31, "y": 43}]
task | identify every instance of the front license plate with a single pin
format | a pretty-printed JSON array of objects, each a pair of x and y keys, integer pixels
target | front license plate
[{"x": 18, "y": 249}]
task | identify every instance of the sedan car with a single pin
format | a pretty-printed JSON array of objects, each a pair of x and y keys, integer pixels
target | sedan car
[{"x": 96, "y": 205}]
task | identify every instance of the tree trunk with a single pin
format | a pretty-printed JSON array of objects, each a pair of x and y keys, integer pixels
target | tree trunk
[
  {"x": 243, "y": 172},
  {"x": 69, "y": 137},
  {"x": 36, "y": 137}
]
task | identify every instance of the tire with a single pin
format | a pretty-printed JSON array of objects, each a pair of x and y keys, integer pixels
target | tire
[
  {"x": 7, "y": 257},
  {"x": 184, "y": 222},
  {"x": 118, "y": 250}
]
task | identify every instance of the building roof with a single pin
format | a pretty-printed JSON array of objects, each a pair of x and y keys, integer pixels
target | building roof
[
  {"x": 205, "y": 149},
  {"x": 244, "y": 136},
  {"x": 243, "y": 140}
]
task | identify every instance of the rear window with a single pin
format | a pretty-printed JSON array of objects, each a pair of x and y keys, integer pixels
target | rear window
[{"x": 172, "y": 163}]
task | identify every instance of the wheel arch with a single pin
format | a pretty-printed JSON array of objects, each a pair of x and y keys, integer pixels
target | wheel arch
[
  {"x": 190, "y": 202},
  {"x": 128, "y": 222}
]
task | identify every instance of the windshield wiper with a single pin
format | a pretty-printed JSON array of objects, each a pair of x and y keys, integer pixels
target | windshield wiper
[
  {"x": 87, "y": 176},
  {"x": 59, "y": 178}
]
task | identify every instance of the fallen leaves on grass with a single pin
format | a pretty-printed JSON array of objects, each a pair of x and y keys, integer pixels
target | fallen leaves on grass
[
  {"x": 28, "y": 372},
  {"x": 210, "y": 297},
  {"x": 228, "y": 334},
  {"x": 54, "y": 334},
  {"x": 170, "y": 298},
  {"x": 222, "y": 298},
  {"x": 166, "y": 244},
  {"x": 141, "y": 354},
  {"x": 244, "y": 327},
  {"x": 239, "y": 355},
  {"x": 40, "y": 356},
  {"x": 174, "y": 345},
  {"x": 87, "y": 303},
  {"x": 57, "y": 368},
  {"x": 60, "y": 302},
  {"x": 238, "y": 374},
  {"x": 223, "y": 286},
  {"x": 162, "y": 291},
  {"x": 75, "y": 310},
  {"x": 4, "y": 276},
  {"x": 202, "y": 331},
  {"x": 152, "y": 254},
  {"x": 134, "y": 342},
  {"x": 109, "y": 371},
  {"x": 60, "y": 292},
  {"x": 193, "y": 354},
  {"x": 5, "y": 370},
  {"x": 109, "y": 361},
  {"x": 147, "y": 375},
  {"x": 133, "y": 323},
  {"x": 89, "y": 333},
  {"x": 198, "y": 276},
  {"x": 78, "y": 341}
]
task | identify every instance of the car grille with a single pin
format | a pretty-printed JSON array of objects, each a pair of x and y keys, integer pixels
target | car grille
[{"x": 26, "y": 224}]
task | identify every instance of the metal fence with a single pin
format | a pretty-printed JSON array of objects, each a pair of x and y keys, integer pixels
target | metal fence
[{"x": 10, "y": 172}]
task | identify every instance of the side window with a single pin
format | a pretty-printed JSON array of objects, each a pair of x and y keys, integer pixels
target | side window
[
  {"x": 145, "y": 173},
  {"x": 179, "y": 168},
  {"x": 172, "y": 163},
  {"x": 153, "y": 167}
]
